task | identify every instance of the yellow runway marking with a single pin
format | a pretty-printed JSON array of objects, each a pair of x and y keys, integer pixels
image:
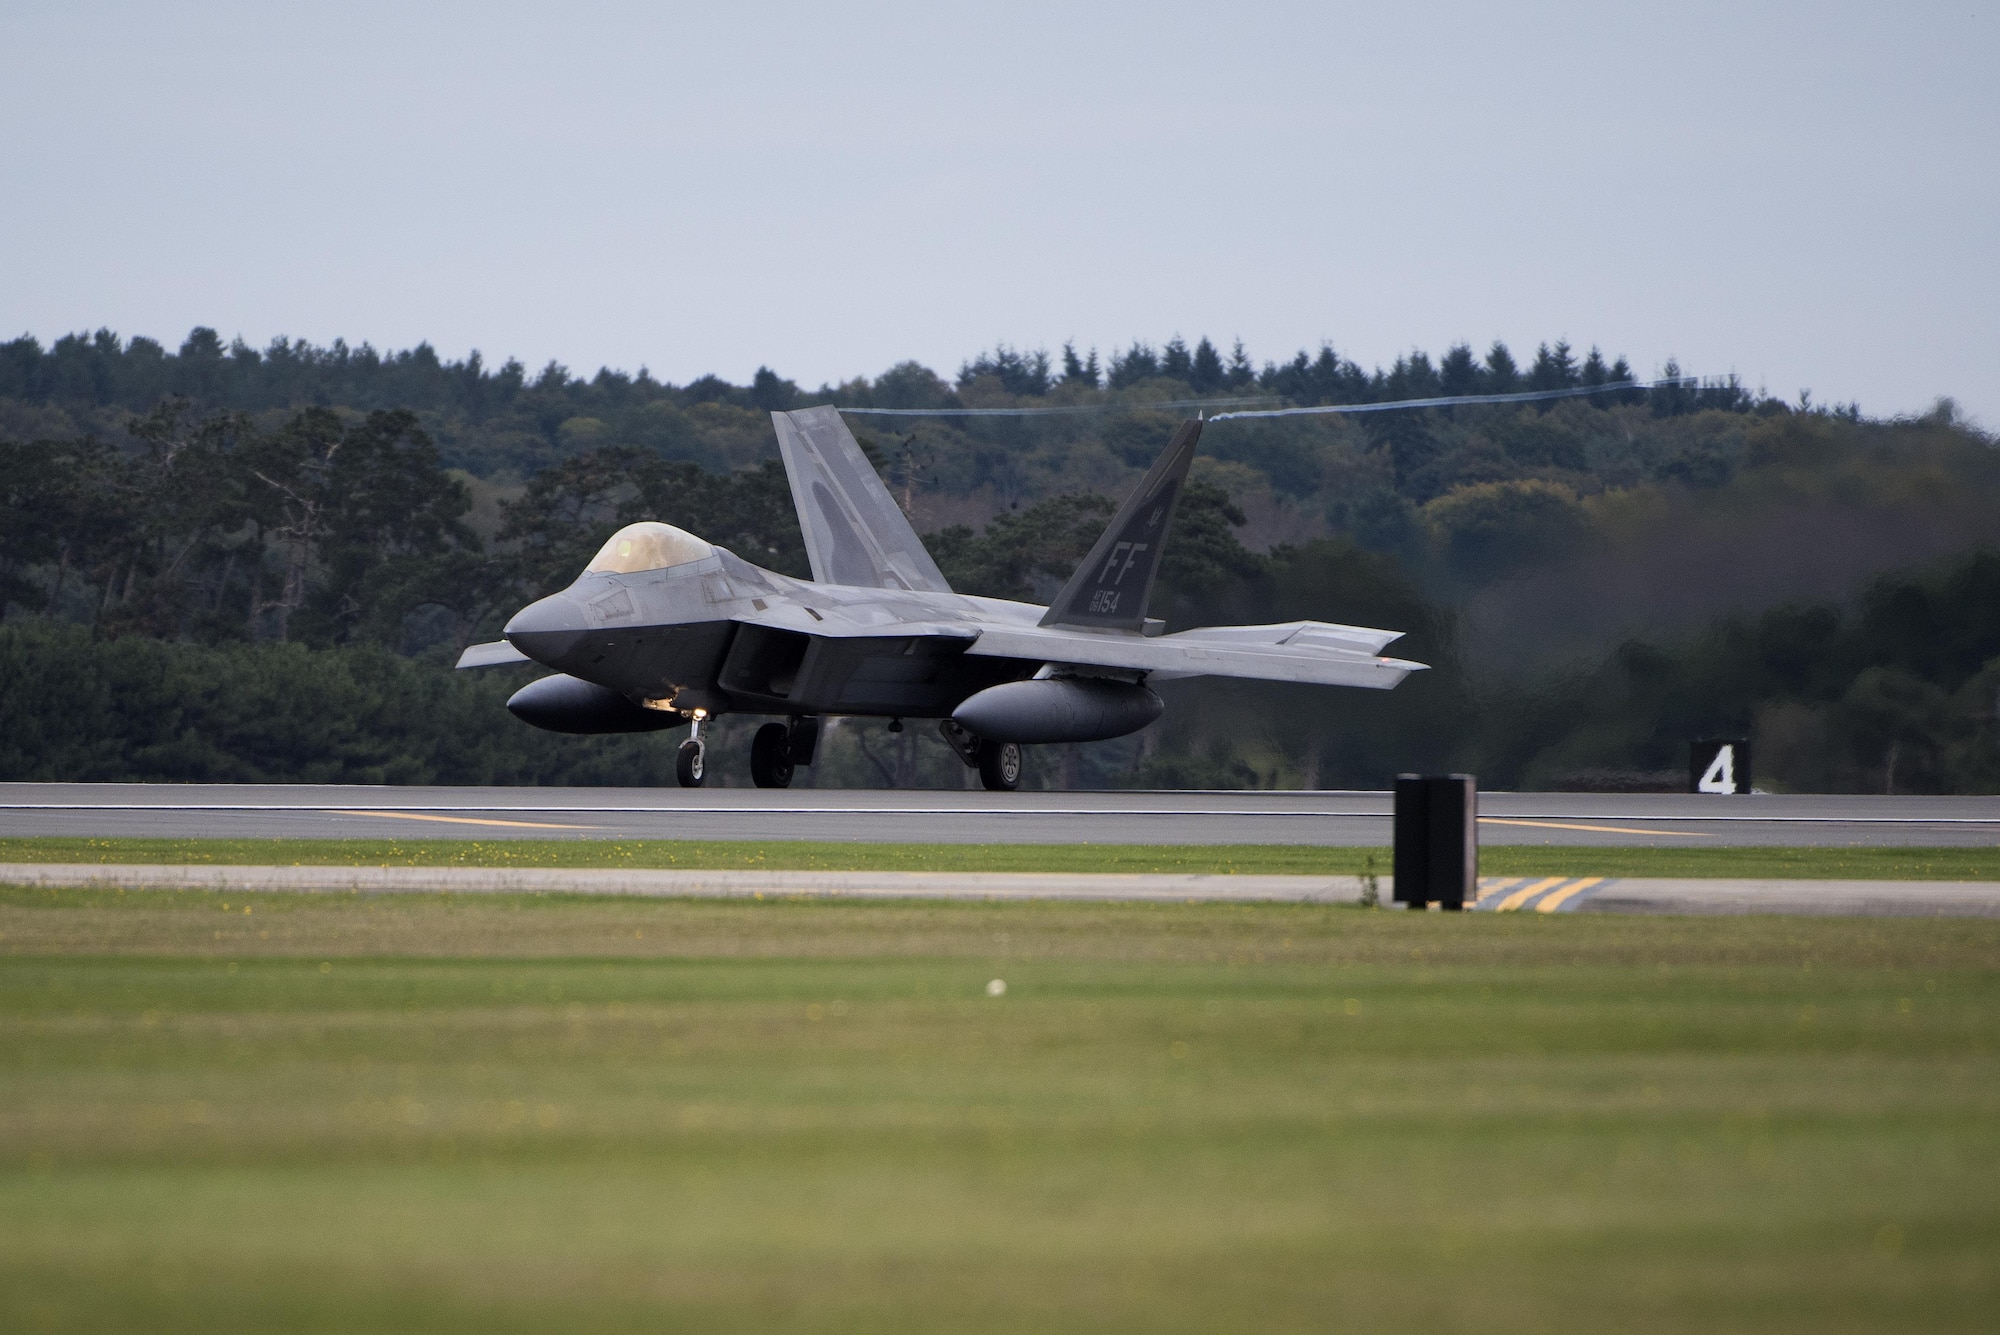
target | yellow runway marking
[
  {"x": 1551, "y": 902},
  {"x": 461, "y": 820},
  {"x": 1493, "y": 885},
  {"x": 1526, "y": 893},
  {"x": 1594, "y": 829}
]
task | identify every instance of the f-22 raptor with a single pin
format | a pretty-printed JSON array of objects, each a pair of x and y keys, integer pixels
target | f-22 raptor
[{"x": 663, "y": 629}]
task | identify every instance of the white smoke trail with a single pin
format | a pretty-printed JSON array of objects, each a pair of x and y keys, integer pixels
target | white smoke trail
[{"x": 1440, "y": 401}]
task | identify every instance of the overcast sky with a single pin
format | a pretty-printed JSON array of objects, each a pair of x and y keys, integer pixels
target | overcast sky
[{"x": 1807, "y": 195}]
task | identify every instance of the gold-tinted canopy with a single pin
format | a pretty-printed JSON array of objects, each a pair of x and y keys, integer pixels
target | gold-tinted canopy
[{"x": 647, "y": 546}]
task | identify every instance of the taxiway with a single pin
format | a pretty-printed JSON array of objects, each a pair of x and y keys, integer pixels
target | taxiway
[{"x": 906, "y": 816}]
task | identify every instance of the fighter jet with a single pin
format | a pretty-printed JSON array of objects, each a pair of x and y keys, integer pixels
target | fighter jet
[{"x": 663, "y": 629}]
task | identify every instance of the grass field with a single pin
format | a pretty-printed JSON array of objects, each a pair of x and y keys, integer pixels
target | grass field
[
  {"x": 335, "y": 1113},
  {"x": 1858, "y": 863}
]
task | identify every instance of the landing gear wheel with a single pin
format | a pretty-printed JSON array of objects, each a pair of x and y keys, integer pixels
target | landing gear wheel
[
  {"x": 1000, "y": 766},
  {"x": 688, "y": 764},
  {"x": 771, "y": 756}
]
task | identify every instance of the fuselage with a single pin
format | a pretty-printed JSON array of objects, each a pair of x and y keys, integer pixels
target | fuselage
[{"x": 721, "y": 635}]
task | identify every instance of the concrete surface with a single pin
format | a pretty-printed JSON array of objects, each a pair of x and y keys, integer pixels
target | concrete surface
[{"x": 920, "y": 816}]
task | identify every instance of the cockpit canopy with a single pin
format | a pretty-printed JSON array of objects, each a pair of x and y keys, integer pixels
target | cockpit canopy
[{"x": 647, "y": 546}]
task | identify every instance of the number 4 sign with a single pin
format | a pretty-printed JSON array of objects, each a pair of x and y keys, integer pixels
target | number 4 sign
[{"x": 1719, "y": 765}]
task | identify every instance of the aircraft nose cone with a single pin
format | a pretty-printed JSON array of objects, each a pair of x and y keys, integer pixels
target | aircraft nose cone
[{"x": 546, "y": 630}]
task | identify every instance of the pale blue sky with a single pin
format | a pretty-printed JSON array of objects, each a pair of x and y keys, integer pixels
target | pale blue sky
[{"x": 1805, "y": 194}]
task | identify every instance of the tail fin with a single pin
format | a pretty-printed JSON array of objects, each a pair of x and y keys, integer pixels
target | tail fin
[
  {"x": 855, "y": 533},
  {"x": 1109, "y": 590}
]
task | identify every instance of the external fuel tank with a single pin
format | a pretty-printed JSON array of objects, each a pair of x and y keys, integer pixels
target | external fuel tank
[{"x": 1058, "y": 709}]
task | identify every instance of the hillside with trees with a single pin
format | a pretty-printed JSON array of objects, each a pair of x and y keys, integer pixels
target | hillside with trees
[{"x": 194, "y": 542}]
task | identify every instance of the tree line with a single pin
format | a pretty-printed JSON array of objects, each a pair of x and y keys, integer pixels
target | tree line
[
  {"x": 1364, "y": 477},
  {"x": 487, "y": 417},
  {"x": 253, "y": 523},
  {"x": 104, "y": 369}
]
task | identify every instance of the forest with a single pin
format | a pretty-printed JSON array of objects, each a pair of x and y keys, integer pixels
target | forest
[{"x": 222, "y": 562}]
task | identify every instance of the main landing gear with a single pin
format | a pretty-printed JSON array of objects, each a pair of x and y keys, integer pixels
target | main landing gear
[
  {"x": 1000, "y": 766},
  {"x": 771, "y": 756},
  {"x": 779, "y": 748},
  {"x": 998, "y": 763}
]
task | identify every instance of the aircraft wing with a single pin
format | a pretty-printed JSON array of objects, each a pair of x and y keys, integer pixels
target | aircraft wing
[
  {"x": 1304, "y": 651},
  {"x": 855, "y": 532},
  {"x": 497, "y": 654}
]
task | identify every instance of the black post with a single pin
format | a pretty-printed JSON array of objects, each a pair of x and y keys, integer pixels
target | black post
[
  {"x": 1437, "y": 840},
  {"x": 1411, "y": 863},
  {"x": 1454, "y": 833}
]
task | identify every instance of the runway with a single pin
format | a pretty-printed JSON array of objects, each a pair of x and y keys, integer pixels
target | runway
[{"x": 1326, "y": 818}]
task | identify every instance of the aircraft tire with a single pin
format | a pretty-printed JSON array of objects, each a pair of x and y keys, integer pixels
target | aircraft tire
[
  {"x": 771, "y": 756},
  {"x": 1000, "y": 766},
  {"x": 688, "y": 766}
]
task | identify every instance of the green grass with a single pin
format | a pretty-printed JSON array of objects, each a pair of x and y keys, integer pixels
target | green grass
[
  {"x": 1859, "y": 863},
  {"x": 226, "y": 1112}
]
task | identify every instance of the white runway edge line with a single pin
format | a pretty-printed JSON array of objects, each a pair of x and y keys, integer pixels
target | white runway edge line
[
  {"x": 1003, "y": 812},
  {"x": 673, "y": 883},
  {"x": 1973, "y": 899}
]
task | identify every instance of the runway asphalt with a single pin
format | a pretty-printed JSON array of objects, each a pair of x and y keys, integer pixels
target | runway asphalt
[{"x": 920, "y": 816}]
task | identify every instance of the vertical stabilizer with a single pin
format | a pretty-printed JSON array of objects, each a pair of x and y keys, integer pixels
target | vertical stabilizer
[
  {"x": 1109, "y": 590},
  {"x": 855, "y": 533}
]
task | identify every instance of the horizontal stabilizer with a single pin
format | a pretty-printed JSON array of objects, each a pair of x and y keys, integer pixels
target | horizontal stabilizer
[
  {"x": 1303, "y": 651},
  {"x": 1294, "y": 635},
  {"x": 855, "y": 532}
]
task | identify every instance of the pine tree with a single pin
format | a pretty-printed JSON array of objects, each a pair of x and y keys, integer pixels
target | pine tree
[
  {"x": 1621, "y": 374},
  {"x": 1413, "y": 377},
  {"x": 1293, "y": 380},
  {"x": 1671, "y": 400},
  {"x": 1139, "y": 362},
  {"x": 1240, "y": 375},
  {"x": 1554, "y": 368},
  {"x": 1594, "y": 370},
  {"x": 1205, "y": 373},
  {"x": 1458, "y": 373},
  {"x": 772, "y": 392},
  {"x": 1074, "y": 372}
]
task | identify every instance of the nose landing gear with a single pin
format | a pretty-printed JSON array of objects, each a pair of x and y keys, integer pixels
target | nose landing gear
[{"x": 688, "y": 763}]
